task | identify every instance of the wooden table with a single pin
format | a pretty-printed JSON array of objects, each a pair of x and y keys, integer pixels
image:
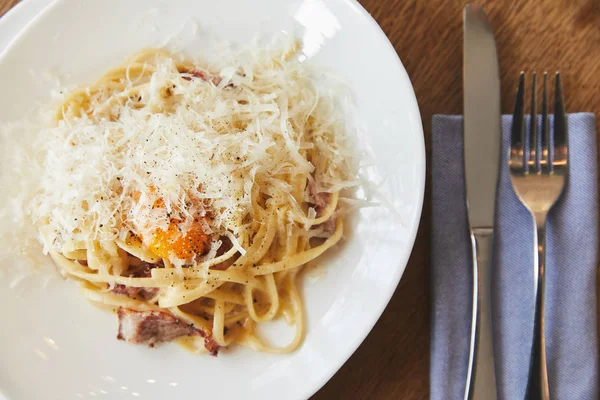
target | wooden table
[{"x": 393, "y": 362}]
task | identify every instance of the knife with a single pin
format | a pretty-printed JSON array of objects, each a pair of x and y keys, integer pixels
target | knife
[{"x": 481, "y": 84}]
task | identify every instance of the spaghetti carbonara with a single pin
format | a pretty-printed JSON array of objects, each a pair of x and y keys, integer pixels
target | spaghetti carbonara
[{"x": 187, "y": 199}]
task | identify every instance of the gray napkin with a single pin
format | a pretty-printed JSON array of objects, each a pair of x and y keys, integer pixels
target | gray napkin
[{"x": 572, "y": 240}]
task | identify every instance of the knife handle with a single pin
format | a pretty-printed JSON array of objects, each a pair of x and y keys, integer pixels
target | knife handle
[{"x": 481, "y": 377}]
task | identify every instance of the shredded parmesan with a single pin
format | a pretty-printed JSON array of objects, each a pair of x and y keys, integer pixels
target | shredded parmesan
[{"x": 188, "y": 145}]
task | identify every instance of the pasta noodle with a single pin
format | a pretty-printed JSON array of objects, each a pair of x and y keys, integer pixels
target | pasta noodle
[{"x": 217, "y": 243}]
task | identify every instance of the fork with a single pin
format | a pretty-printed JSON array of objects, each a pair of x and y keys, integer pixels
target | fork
[{"x": 538, "y": 170}]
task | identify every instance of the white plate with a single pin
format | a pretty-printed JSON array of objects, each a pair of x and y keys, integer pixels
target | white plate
[
  {"x": 54, "y": 345},
  {"x": 17, "y": 17}
]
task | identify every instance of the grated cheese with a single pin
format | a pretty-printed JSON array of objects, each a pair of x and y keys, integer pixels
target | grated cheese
[{"x": 198, "y": 153}]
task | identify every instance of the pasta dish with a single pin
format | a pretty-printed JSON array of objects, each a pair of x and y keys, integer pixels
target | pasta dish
[{"x": 187, "y": 198}]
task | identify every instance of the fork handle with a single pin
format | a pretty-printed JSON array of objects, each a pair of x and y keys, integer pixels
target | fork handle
[
  {"x": 537, "y": 384},
  {"x": 481, "y": 378}
]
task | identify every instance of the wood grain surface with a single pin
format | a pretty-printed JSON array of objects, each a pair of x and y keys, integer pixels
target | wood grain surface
[
  {"x": 6, "y": 5},
  {"x": 393, "y": 362}
]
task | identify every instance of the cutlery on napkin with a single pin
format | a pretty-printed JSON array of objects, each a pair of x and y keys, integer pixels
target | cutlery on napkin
[{"x": 571, "y": 311}]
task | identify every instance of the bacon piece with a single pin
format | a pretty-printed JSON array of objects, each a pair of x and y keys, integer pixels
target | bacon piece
[
  {"x": 202, "y": 75},
  {"x": 225, "y": 247},
  {"x": 134, "y": 292},
  {"x": 150, "y": 327},
  {"x": 319, "y": 199},
  {"x": 142, "y": 271},
  {"x": 211, "y": 346},
  {"x": 328, "y": 227}
]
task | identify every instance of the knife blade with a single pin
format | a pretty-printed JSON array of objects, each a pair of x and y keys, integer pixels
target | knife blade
[{"x": 481, "y": 85}]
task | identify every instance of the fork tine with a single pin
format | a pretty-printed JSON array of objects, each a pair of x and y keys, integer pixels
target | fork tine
[
  {"x": 559, "y": 156},
  {"x": 545, "y": 134},
  {"x": 517, "y": 137},
  {"x": 533, "y": 135}
]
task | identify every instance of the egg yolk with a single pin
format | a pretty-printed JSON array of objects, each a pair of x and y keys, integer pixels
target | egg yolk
[{"x": 194, "y": 242}]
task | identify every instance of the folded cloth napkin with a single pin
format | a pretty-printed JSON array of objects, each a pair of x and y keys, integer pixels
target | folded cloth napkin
[{"x": 572, "y": 236}]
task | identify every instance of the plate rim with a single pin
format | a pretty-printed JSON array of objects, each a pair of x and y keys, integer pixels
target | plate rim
[{"x": 415, "y": 224}]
